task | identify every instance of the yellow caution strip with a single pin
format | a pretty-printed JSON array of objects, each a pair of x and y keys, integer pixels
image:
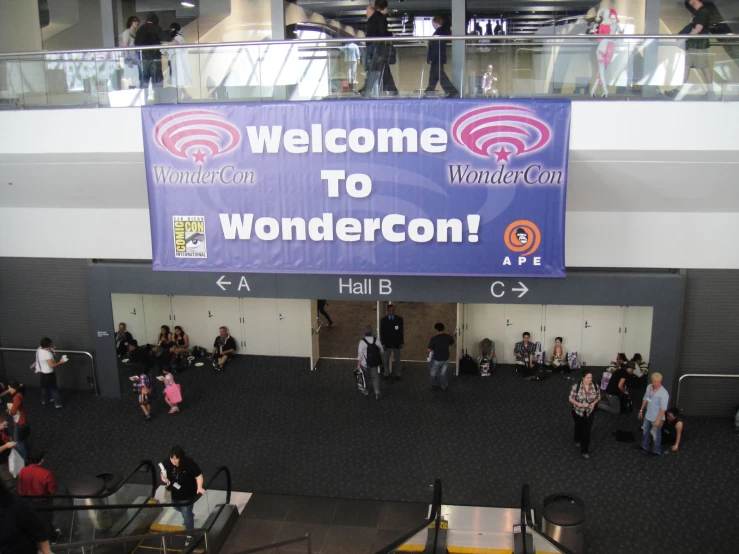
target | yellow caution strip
[
  {"x": 165, "y": 528},
  {"x": 461, "y": 549}
]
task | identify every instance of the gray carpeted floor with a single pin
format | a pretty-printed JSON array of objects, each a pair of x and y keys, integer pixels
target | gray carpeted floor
[{"x": 284, "y": 429}]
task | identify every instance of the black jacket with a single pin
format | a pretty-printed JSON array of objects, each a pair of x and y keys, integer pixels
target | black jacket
[
  {"x": 389, "y": 335},
  {"x": 377, "y": 25},
  {"x": 437, "y": 48},
  {"x": 150, "y": 34}
]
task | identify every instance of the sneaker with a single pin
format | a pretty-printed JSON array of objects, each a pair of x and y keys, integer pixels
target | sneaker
[
  {"x": 586, "y": 456},
  {"x": 188, "y": 541},
  {"x": 147, "y": 417},
  {"x": 59, "y": 407},
  {"x": 174, "y": 410},
  {"x": 57, "y": 536}
]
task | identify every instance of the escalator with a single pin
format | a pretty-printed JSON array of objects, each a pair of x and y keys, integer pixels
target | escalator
[{"x": 104, "y": 514}]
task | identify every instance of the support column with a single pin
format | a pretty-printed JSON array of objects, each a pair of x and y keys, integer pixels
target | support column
[
  {"x": 651, "y": 49},
  {"x": 277, "y": 9},
  {"x": 459, "y": 22},
  {"x": 107, "y": 22}
]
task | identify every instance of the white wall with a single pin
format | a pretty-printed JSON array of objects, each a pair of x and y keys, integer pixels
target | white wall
[{"x": 602, "y": 238}]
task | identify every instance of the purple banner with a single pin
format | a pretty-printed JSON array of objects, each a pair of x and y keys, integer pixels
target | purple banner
[{"x": 404, "y": 187}]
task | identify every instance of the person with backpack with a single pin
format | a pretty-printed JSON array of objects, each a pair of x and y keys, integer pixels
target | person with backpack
[
  {"x": 584, "y": 397},
  {"x": 369, "y": 361}
]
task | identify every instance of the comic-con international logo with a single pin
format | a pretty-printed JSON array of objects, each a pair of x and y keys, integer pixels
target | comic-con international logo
[
  {"x": 189, "y": 236},
  {"x": 522, "y": 237},
  {"x": 196, "y": 135},
  {"x": 503, "y": 133}
]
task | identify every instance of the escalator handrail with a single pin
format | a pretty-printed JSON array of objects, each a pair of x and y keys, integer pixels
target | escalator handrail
[
  {"x": 525, "y": 513},
  {"x": 119, "y": 540},
  {"x": 433, "y": 517},
  {"x": 144, "y": 505},
  {"x": 144, "y": 463}
]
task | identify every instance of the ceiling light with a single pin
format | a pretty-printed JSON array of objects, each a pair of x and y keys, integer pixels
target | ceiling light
[{"x": 188, "y": 4}]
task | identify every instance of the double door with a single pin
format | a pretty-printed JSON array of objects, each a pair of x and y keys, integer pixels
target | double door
[{"x": 260, "y": 326}]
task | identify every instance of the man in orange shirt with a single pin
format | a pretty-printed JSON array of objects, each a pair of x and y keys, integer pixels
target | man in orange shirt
[{"x": 34, "y": 480}]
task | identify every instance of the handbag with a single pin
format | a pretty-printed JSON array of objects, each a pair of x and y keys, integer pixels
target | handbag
[
  {"x": 15, "y": 463},
  {"x": 173, "y": 393}
]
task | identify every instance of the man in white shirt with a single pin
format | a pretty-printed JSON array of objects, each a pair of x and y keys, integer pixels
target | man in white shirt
[
  {"x": 366, "y": 364},
  {"x": 655, "y": 402},
  {"x": 45, "y": 364}
]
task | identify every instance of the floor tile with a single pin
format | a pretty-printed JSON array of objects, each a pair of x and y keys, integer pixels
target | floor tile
[
  {"x": 312, "y": 510},
  {"x": 360, "y": 513},
  {"x": 268, "y": 506},
  {"x": 402, "y": 516},
  {"x": 342, "y": 539},
  {"x": 293, "y": 530}
]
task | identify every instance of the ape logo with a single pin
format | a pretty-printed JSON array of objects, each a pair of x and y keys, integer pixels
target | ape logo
[
  {"x": 196, "y": 135},
  {"x": 505, "y": 126},
  {"x": 522, "y": 237}
]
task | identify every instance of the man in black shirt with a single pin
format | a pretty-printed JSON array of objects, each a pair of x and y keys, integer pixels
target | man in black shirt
[
  {"x": 378, "y": 53},
  {"x": 21, "y": 530},
  {"x": 151, "y": 34},
  {"x": 392, "y": 338},
  {"x": 138, "y": 356},
  {"x": 439, "y": 356},
  {"x": 224, "y": 348},
  {"x": 615, "y": 398},
  {"x": 696, "y": 54},
  {"x": 184, "y": 480}
]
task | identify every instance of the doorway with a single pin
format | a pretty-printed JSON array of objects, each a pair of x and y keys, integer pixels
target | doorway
[
  {"x": 419, "y": 319},
  {"x": 349, "y": 317}
]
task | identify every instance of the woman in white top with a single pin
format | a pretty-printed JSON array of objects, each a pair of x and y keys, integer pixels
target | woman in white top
[
  {"x": 131, "y": 65},
  {"x": 45, "y": 364},
  {"x": 179, "y": 62}
]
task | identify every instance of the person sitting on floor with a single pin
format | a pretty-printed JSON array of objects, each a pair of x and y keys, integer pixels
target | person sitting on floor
[
  {"x": 615, "y": 398},
  {"x": 122, "y": 339},
  {"x": 486, "y": 354},
  {"x": 672, "y": 430},
  {"x": 224, "y": 348},
  {"x": 525, "y": 351},
  {"x": 558, "y": 361},
  {"x": 640, "y": 371}
]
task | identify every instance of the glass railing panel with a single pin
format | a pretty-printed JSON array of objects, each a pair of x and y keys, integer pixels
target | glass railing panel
[{"x": 11, "y": 84}]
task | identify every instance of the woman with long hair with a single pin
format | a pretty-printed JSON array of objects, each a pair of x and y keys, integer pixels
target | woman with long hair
[
  {"x": 17, "y": 410},
  {"x": 584, "y": 396}
]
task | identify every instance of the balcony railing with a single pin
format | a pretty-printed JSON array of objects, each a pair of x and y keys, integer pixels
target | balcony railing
[{"x": 636, "y": 67}]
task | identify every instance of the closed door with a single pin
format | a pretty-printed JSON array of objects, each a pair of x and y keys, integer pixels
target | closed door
[
  {"x": 565, "y": 322},
  {"x": 157, "y": 312},
  {"x": 638, "y": 330},
  {"x": 486, "y": 321},
  {"x": 520, "y": 319},
  {"x": 190, "y": 313},
  {"x": 261, "y": 334},
  {"x": 294, "y": 321},
  {"x": 224, "y": 312},
  {"x": 601, "y": 336},
  {"x": 129, "y": 309}
]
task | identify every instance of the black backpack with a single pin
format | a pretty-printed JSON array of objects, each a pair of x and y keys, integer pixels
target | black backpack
[
  {"x": 468, "y": 366},
  {"x": 374, "y": 355}
]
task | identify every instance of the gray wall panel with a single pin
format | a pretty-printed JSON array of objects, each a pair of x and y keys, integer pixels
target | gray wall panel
[
  {"x": 708, "y": 344},
  {"x": 45, "y": 297}
]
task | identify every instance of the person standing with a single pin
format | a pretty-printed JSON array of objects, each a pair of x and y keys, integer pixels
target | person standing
[
  {"x": 36, "y": 480},
  {"x": 122, "y": 339},
  {"x": 696, "y": 54},
  {"x": 615, "y": 397},
  {"x": 392, "y": 339},
  {"x": 130, "y": 59},
  {"x": 351, "y": 58},
  {"x": 151, "y": 34},
  {"x": 378, "y": 53},
  {"x": 21, "y": 530},
  {"x": 653, "y": 408},
  {"x": 6, "y": 445},
  {"x": 439, "y": 347},
  {"x": 224, "y": 348},
  {"x": 46, "y": 365},
  {"x": 436, "y": 57},
  {"x": 17, "y": 411},
  {"x": 584, "y": 397},
  {"x": 184, "y": 480},
  {"x": 179, "y": 63},
  {"x": 369, "y": 360},
  {"x": 322, "y": 310}
]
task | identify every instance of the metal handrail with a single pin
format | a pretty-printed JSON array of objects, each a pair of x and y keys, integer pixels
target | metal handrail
[
  {"x": 694, "y": 375},
  {"x": 85, "y": 352},
  {"x": 279, "y": 544},
  {"x": 433, "y": 518},
  {"x": 266, "y": 43}
]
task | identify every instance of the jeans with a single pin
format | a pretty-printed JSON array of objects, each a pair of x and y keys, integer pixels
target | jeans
[
  {"x": 648, "y": 433},
  {"x": 187, "y": 517},
  {"x": 52, "y": 392},
  {"x": 397, "y": 368},
  {"x": 152, "y": 71},
  {"x": 374, "y": 374},
  {"x": 378, "y": 72},
  {"x": 436, "y": 73},
  {"x": 22, "y": 446},
  {"x": 439, "y": 367},
  {"x": 583, "y": 425}
]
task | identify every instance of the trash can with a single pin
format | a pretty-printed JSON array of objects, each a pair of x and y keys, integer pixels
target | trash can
[
  {"x": 91, "y": 486},
  {"x": 563, "y": 519}
]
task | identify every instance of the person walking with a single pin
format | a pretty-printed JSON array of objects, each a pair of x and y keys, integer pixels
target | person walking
[
  {"x": 46, "y": 365},
  {"x": 436, "y": 57},
  {"x": 183, "y": 478},
  {"x": 392, "y": 338},
  {"x": 653, "y": 408},
  {"x": 379, "y": 76},
  {"x": 34, "y": 480},
  {"x": 172, "y": 391},
  {"x": 439, "y": 350},
  {"x": 584, "y": 397},
  {"x": 179, "y": 63},
  {"x": 17, "y": 410},
  {"x": 151, "y": 34},
  {"x": 369, "y": 360},
  {"x": 142, "y": 386},
  {"x": 322, "y": 310}
]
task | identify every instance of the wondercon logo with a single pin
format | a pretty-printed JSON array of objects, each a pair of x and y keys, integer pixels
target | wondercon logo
[
  {"x": 196, "y": 135},
  {"x": 505, "y": 126},
  {"x": 522, "y": 237}
]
